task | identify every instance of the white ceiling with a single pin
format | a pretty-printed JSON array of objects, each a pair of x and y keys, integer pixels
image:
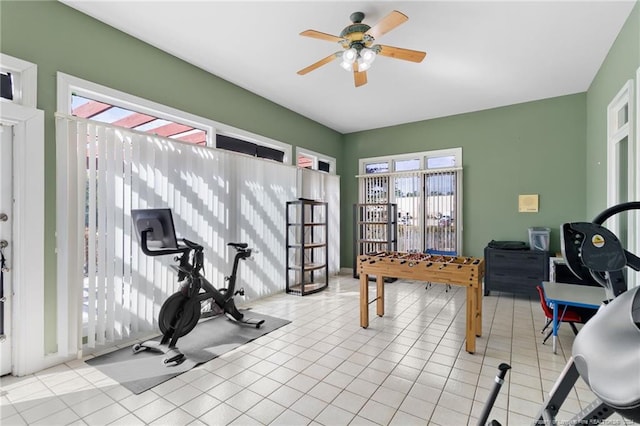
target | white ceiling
[{"x": 480, "y": 54}]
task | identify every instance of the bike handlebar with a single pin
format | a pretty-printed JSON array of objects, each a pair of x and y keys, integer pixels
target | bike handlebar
[{"x": 238, "y": 246}]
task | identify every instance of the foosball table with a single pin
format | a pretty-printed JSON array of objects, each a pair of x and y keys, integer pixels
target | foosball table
[{"x": 454, "y": 270}]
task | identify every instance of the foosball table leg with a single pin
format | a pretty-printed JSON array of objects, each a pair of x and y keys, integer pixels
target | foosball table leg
[
  {"x": 379, "y": 295},
  {"x": 470, "y": 343},
  {"x": 364, "y": 300},
  {"x": 479, "y": 296}
]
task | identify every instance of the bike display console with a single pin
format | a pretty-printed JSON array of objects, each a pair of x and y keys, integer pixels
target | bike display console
[{"x": 454, "y": 270}]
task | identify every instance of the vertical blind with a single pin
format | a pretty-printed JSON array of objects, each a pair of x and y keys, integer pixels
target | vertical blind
[
  {"x": 111, "y": 290},
  {"x": 428, "y": 206}
]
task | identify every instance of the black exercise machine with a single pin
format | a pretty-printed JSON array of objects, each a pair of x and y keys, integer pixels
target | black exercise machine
[
  {"x": 606, "y": 351},
  {"x": 196, "y": 297}
]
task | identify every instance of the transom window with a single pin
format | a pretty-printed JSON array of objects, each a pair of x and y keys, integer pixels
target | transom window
[
  {"x": 89, "y": 100},
  {"x": 308, "y": 159},
  {"x": 18, "y": 81},
  {"x": 123, "y": 117},
  {"x": 6, "y": 85}
]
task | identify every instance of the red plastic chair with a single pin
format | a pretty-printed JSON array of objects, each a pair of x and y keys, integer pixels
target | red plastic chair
[{"x": 565, "y": 315}]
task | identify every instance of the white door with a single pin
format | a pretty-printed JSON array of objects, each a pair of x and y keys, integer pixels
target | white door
[{"x": 6, "y": 219}]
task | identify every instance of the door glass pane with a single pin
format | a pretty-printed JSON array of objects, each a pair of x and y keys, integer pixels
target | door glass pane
[
  {"x": 407, "y": 196},
  {"x": 376, "y": 190},
  {"x": 622, "y": 158},
  {"x": 440, "y": 212},
  {"x": 622, "y": 155}
]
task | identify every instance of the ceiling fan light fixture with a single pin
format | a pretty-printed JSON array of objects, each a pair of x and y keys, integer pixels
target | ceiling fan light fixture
[
  {"x": 363, "y": 65},
  {"x": 348, "y": 66},
  {"x": 368, "y": 55},
  {"x": 349, "y": 56}
]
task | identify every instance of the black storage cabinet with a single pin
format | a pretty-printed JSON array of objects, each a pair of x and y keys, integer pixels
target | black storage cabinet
[{"x": 515, "y": 271}]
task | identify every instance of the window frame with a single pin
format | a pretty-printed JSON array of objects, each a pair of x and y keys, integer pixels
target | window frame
[
  {"x": 316, "y": 157},
  {"x": 68, "y": 85},
  {"x": 25, "y": 80},
  {"x": 224, "y": 130},
  {"x": 422, "y": 156},
  {"x": 615, "y": 135}
]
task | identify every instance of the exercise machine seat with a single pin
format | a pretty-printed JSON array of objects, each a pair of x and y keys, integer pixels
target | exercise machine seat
[{"x": 607, "y": 354}]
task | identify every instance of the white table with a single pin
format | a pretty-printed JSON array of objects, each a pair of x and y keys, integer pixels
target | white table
[{"x": 562, "y": 294}]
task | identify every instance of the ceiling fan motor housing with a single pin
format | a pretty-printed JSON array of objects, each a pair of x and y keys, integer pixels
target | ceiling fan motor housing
[{"x": 354, "y": 35}]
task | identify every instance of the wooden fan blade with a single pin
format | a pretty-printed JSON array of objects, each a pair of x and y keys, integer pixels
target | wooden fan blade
[
  {"x": 400, "y": 53},
  {"x": 321, "y": 36},
  {"x": 387, "y": 23},
  {"x": 360, "y": 78},
  {"x": 318, "y": 64}
]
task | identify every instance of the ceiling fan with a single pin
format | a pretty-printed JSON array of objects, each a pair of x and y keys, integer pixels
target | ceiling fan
[{"x": 359, "y": 51}]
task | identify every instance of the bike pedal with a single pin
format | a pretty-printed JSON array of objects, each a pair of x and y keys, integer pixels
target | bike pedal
[{"x": 240, "y": 292}]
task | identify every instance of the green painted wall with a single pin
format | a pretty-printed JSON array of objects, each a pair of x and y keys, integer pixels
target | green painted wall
[
  {"x": 58, "y": 38},
  {"x": 619, "y": 66},
  {"x": 530, "y": 148}
]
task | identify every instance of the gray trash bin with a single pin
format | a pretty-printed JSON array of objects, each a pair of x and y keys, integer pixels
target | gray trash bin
[{"x": 539, "y": 238}]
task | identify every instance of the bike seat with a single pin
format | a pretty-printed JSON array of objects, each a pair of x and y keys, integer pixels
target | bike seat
[{"x": 238, "y": 245}]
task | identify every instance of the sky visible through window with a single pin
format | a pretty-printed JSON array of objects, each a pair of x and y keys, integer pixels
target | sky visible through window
[{"x": 118, "y": 116}]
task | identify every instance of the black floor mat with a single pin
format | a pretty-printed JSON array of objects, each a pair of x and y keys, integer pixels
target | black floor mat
[{"x": 208, "y": 340}]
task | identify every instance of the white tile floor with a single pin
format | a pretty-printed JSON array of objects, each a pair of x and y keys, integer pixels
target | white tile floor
[{"x": 409, "y": 367}]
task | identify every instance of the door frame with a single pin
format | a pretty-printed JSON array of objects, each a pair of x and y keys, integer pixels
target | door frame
[
  {"x": 6, "y": 203},
  {"x": 615, "y": 134},
  {"x": 27, "y": 265}
]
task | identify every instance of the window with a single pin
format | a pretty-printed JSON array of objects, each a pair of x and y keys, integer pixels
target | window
[
  {"x": 96, "y": 102},
  {"x": 324, "y": 166},
  {"x": 6, "y": 85},
  {"x": 250, "y": 148},
  {"x": 404, "y": 165},
  {"x": 18, "y": 81},
  {"x": 427, "y": 188},
  {"x": 99, "y": 104},
  {"x": 85, "y": 107},
  {"x": 84, "y": 99},
  {"x": 376, "y": 168},
  {"x": 308, "y": 159}
]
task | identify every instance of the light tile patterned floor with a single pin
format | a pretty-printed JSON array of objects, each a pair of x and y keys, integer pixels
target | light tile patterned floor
[{"x": 409, "y": 367}]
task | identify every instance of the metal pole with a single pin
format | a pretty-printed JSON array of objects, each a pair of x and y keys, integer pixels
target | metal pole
[{"x": 503, "y": 368}]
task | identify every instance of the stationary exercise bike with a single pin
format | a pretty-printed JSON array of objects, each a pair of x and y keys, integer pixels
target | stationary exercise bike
[
  {"x": 606, "y": 351},
  {"x": 197, "y": 298}
]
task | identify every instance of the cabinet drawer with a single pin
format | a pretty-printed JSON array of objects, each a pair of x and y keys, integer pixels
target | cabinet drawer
[
  {"x": 510, "y": 285},
  {"x": 523, "y": 258},
  {"x": 518, "y": 269},
  {"x": 520, "y": 277}
]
